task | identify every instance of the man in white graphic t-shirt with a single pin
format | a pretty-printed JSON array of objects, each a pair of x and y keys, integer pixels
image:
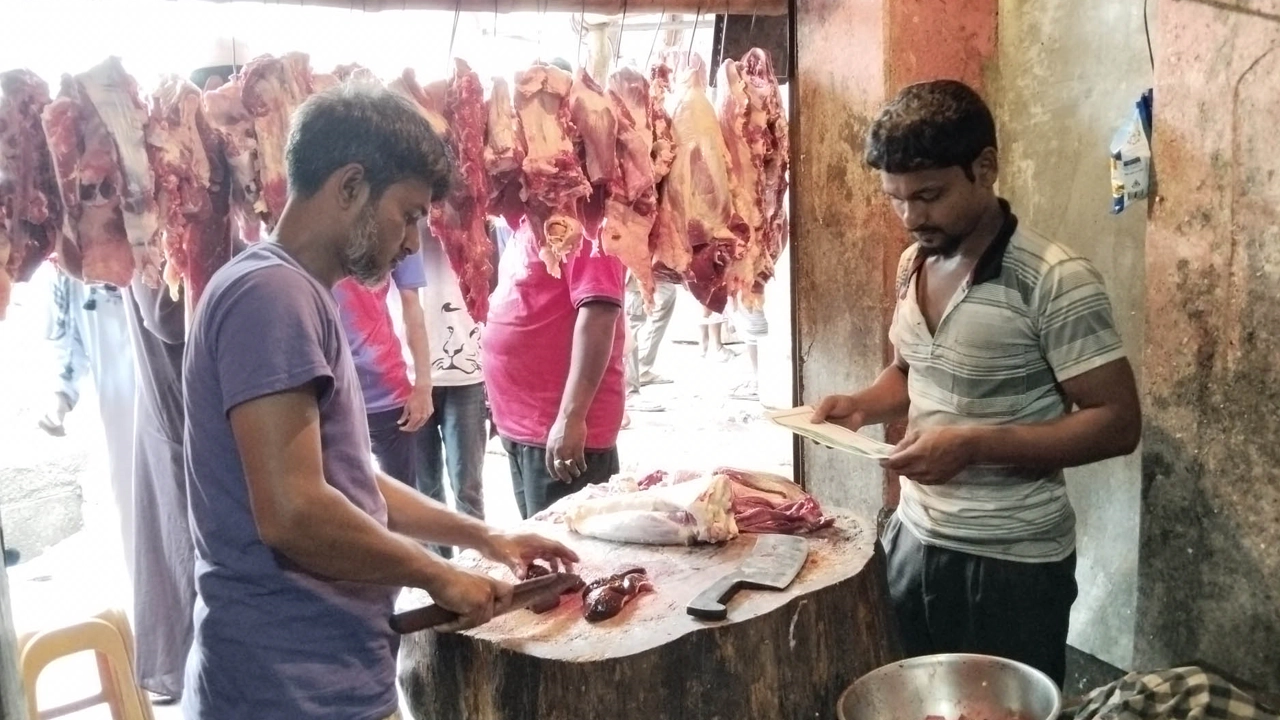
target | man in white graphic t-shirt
[{"x": 454, "y": 437}]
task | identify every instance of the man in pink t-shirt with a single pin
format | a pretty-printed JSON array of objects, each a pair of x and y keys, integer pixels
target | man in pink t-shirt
[{"x": 552, "y": 355}]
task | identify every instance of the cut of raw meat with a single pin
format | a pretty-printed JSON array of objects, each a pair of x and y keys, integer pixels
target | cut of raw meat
[
  {"x": 114, "y": 95},
  {"x": 226, "y": 114},
  {"x": 504, "y": 156},
  {"x": 430, "y": 100},
  {"x": 755, "y": 131},
  {"x": 553, "y": 178},
  {"x": 89, "y": 180},
  {"x": 271, "y": 89},
  {"x": 193, "y": 188},
  {"x": 698, "y": 233},
  {"x": 458, "y": 220},
  {"x": 664, "y": 147},
  {"x": 593, "y": 117},
  {"x": 604, "y": 598},
  {"x": 684, "y": 506},
  {"x": 632, "y": 206},
  {"x": 699, "y": 510},
  {"x": 30, "y": 206}
]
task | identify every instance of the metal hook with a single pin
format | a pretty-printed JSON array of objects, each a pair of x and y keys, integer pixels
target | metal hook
[
  {"x": 724, "y": 32},
  {"x": 656, "y": 33},
  {"x": 693, "y": 34},
  {"x": 582, "y": 31},
  {"x": 457, "y": 12},
  {"x": 622, "y": 28}
]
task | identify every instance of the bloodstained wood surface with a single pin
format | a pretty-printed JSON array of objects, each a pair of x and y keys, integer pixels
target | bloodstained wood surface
[{"x": 784, "y": 654}]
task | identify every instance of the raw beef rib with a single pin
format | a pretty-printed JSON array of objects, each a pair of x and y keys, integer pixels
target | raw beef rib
[
  {"x": 633, "y": 199},
  {"x": 553, "y": 177},
  {"x": 87, "y": 166},
  {"x": 503, "y": 156},
  {"x": 755, "y": 131},
  {"x": 193, "y": 188},
  {"x": 458, "y": 220},
  {"x": 697, "y": 232},
  {"x": 226, "y": 114},
  {"x": 30, "y": 207},
  {"x": 114, "y": 95},
  {"x": 271, "y": 89}
]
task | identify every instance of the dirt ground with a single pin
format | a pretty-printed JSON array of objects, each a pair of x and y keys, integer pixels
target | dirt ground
[{"x": 701, "y": 426}]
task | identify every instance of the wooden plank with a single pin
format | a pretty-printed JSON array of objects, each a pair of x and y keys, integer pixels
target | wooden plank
[{"x": 600, "y": 7}]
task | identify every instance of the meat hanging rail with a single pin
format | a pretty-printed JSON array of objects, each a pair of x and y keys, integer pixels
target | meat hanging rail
[{"x": 602, "y": 7}]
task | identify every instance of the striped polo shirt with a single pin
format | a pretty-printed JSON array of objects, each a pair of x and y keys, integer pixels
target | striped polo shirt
[{"x": 1032, "y": 315}]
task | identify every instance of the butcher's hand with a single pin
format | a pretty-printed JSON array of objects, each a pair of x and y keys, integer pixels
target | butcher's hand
[
  {"x": 932, "y": 456},
  {"x": 840, "y": 410},
  {"x": 566, "y": 448},
  {"x": 518, "y": 550},
  {"x": 474, "y": 596},
  {"x": 418, "y": 410}
]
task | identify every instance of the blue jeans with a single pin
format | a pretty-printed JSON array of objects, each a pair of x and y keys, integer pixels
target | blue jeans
[{"x": 455, "y": 437}]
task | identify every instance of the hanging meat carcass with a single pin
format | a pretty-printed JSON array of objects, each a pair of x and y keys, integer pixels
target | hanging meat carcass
[
  {"x": 504, "y": 155},
  {"x": 632, "y": 206},
  {"x": 271, "y": 89},
  {"x": 227, "y": 116},
  {"x": 192, "y": 187},
  {"x": 30, "y": 205},
  {"x": 95, "y": 130},
  {"x": 698, "y": 232},
  {"x": 664, "y": 146},
  {"x": 554, "y": 182},
  {"x": 755, "y": 132},
  {"x": 458, "y": 220}
]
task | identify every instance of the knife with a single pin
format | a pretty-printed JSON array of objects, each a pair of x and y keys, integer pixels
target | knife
[
  {"x": 540, "y": 591},
  {"x": 773, "y": 563}
]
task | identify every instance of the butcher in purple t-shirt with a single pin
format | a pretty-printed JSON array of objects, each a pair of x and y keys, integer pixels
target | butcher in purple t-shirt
[{"x": 301, "y": 545}]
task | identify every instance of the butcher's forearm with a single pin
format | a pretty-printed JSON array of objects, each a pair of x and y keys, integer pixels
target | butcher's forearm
[
  {"x": 1078, "y": 438},
  {"x": 886, "y": 399},
  {"x": 328, "y": 536},
  {"x": 415, "y": 331},
  {"x": 593, "y": 337},
  {"x": 411, "y": 513}
]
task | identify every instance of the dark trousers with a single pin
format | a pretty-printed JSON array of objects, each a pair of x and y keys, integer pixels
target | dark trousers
[
  {"x": 534, "y": 487},
  {"x": 454, "y": 438},
  {"x": 953, "y": 602},
  {"x": 392, "y": 447}
]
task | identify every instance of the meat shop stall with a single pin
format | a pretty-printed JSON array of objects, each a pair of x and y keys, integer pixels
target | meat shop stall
[{"x": 682, "y": 162}]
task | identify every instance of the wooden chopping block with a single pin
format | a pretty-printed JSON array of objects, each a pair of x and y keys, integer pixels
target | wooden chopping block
[{"x": 778, "y": 655}]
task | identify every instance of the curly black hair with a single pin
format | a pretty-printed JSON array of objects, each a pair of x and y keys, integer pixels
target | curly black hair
[{"x": 930, "y": 126}]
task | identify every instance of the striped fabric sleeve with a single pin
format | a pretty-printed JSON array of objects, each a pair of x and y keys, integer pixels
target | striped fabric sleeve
[{"x": 1077, "y": 330}]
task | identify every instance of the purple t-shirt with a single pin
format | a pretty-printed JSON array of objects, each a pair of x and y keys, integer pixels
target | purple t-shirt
[
  {"x": 366, "y": 319},
  {"x": 272, "y": 641}
]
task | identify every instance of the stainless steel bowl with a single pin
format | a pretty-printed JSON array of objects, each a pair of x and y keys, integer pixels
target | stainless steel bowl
[{"x": 979, "y": 687}]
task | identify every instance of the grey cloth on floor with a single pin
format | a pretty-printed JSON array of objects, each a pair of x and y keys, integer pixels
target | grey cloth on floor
[
  {"x": 1187, "y": 693},
  {"x": 163, "y": 556}
]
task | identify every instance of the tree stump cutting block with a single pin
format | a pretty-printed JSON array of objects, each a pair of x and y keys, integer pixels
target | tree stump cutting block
[{"x": 779, "y": 654}]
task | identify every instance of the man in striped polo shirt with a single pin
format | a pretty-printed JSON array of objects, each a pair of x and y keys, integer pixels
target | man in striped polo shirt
[{"x": 1008, "y": 367}]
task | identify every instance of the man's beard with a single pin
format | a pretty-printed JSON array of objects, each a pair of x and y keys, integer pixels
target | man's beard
[
  {"x": 948, "y": 247},
  {"x": 360, "y": 256}
]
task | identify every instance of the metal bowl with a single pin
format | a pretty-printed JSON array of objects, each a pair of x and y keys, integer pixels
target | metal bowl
[{"x": 979, "y": 687}]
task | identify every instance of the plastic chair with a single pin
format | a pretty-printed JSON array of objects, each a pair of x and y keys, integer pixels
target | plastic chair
[{"x": 107, "y": 635}]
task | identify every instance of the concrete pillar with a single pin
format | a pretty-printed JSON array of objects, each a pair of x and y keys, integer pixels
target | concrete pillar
[
  {"x": 851, "y": 55},
  {"x": 1209, "y": 576}
]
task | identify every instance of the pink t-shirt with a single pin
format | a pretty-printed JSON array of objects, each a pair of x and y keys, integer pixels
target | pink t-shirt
[{"x": 528, "y": 342}]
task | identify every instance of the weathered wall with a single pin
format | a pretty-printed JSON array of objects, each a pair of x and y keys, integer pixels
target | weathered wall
[
  {"x": 1209, "y": 579},
  {"x": 851, "y": 56},
  {"x": 1069, "y": 74}
]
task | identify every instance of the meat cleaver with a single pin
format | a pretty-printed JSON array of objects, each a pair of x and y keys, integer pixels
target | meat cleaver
[
  {"x": 773, "y": 563},
  {"x": 540, "y": 591}
]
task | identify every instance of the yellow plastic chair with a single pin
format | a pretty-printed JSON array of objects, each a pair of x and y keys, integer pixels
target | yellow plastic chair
[{"x": 110, "y": 638}]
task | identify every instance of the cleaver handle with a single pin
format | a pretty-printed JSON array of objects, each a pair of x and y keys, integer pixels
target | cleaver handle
[{"x": 710, "y": 603}]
